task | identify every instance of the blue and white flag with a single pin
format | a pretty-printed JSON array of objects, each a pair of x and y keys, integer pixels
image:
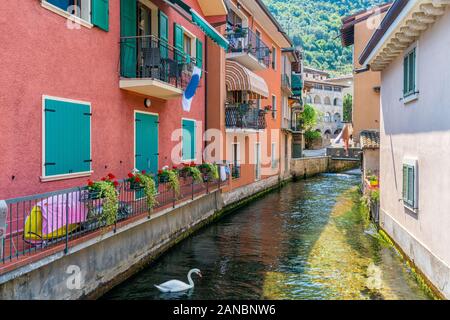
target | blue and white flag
[{"x": 191, "y": 89}]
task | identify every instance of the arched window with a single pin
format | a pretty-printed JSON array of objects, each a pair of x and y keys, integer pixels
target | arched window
[
  {"x": 317, "y": 100},
  {"x": 327, "y": 117},
  {"x": 327, "y": 101},
  {"x": 337, "y": 117},
  {"x": 308, "y": 99},
  {"x": 337, "y": 102}
]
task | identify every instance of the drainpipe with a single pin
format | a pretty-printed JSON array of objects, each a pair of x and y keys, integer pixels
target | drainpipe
[{"x": 206, "y": 88}]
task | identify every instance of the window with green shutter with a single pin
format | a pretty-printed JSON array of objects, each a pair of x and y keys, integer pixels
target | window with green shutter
[
  {"x": 199, "y": 53},
  {"x": 100, "y": 14},
  {"x": 94, "y": 12},
  {"x": 409, "y": 73},
  {"x": 178, "y": 41},
  {"x": 189, "y": 140},
  {"x": 67, "y": 137},
  {"x": 410, "y": 185}
]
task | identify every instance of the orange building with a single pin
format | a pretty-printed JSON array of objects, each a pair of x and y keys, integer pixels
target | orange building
[
  {"x": 245, "y": 92},
  {"x": 357, "y": 29}
]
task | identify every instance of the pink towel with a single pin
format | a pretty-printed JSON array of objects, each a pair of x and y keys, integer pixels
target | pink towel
[{"x": 54, "y": 211}]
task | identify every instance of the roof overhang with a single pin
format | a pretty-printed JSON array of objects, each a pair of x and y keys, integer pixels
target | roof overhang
[
  {"x": 402, "y": 26},
  {"x": 268, "y": 22},
  {"x": 213, "y": 7},
  {"x": 349, "y": 22}
]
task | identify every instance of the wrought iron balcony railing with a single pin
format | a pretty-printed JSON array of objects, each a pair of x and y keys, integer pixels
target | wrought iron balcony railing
[
  {"x": 242, "y": 116},
  {"x": 245, "y": 40},
  {"x": 148, "y": 57}
]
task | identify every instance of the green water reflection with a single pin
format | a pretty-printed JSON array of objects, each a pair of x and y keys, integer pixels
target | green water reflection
[{"x": 308, "y": 241}]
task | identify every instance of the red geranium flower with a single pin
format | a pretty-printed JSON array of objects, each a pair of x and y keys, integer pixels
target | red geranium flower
[
  {"x": 174, "y": 167},
  {"x": 138, "y": 179},
  {"x": 144, "y": 172},
  {"x": 160, "y": 171},
  {"x": 115, "y": 183},
  {"x": 90, "y": 183},
  {"x": 111, "y": 176},
  {"x": 103, "y": 179},
  {"x": 130, "y": 175}
]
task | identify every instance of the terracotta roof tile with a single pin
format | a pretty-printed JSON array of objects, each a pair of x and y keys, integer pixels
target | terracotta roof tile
[{"x": 370, "y": 139}]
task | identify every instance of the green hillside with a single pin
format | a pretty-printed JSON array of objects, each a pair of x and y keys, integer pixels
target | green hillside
[{"x": 315, "y": 26}]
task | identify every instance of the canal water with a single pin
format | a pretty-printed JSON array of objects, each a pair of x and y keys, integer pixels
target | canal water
[{"x": 307, "y": 241}]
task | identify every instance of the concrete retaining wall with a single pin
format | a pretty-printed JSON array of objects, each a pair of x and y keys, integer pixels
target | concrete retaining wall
[
  {"x": 308, "y": 167},
  {"x": 435, "y": 270},
  {"x": 93, "y": 267},
  {"x": 110, "y": 258}
]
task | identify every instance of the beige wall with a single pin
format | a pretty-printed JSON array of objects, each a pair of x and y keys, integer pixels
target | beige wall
[
  {"x": 371, "y": 161},
  {"x": 419, "y": 130},
  {"x": 366, "y": 102}
]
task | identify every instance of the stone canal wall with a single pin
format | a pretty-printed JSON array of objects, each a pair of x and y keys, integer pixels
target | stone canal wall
[
  {"x": 308, "y": 167},
  {"x": 92, "y": 267}
]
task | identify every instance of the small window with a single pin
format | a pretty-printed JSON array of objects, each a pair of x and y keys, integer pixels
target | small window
[
  {"x": 89, "y": 12},
  {"x": 273, "y": 155},
  {"x": 189, "y": 140},
  {"x": 409, "y": 72},
  {"x": 274, "y": 58},
  {"x": 67, "y": 137},
  {"x": 410, "y": 184},
  {"x": 78, "y": 8},
  {"x": 274, "y": 106}
]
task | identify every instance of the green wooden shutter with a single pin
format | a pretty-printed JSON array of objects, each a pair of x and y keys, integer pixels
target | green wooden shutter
[
  {"x": 67, "y": 137},
  {"x": 189, "y": 140},
  {"x": 128, "y": 23},
  {"x": 405, "y": 76},
  {"x": 178, "y": 42},
  {"x": 199, "y": 53},
  {"x": 100, "y": 14},
  {"x": 163, "y": 34},
  {"x": 412, "y": 71}
]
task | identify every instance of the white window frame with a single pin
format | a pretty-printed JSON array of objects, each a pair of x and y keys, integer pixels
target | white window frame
[
  {"x": 70, "y": 17},
  {"x": 192, "y": 38},
  {"x": 195, "y": 140},
  {"x": 411, "y": 163},
  {"x": 415, "y": 96},
  {"x": 258, "y": 161},
  {"x": 274, "y": 106},
  {"x": 273, "y": 154},
  {"x": 44, "y": 177}
]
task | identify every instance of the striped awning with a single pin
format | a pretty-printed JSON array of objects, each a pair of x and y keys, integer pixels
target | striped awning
[{"x": 239, "y": 78}]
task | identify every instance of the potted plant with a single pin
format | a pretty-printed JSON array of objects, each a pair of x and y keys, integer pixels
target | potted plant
[
  {"x": 170, "y": 176},
  {"x": 373, "y": 181},
  {"x": 135, "y": 181},
  {"x": 210, "y": 170},
  {"x": 95, "y": 188},
  {"x": 106, "y": 190},
  {"x": 191, "y": 170}
]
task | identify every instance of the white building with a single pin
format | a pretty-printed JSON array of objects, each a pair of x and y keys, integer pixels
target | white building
[
  {"x": 326, "y": 96},
  {"x": 412, "y": 50}
]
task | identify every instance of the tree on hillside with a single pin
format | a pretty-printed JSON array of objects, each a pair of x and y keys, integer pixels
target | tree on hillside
[
  {"x": 348, "y": 108},
  {"x": 315, "y": 26}
]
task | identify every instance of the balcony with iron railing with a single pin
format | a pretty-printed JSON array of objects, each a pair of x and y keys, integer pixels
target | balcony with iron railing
[
  {"x": 152, "y": 67},
  {"x": 244, "y": 117},
  {"x": 247, "y": 48}
]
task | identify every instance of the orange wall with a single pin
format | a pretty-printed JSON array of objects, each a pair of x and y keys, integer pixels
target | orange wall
[
  {"x": 273, "y": 80},
  {"x": 366, "y": 102}
]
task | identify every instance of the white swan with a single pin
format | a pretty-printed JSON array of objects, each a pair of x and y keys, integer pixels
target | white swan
[{"x": 178, "y": 286}]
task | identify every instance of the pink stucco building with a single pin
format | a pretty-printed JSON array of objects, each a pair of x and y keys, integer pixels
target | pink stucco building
[{"x": 73, "y": 94}]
